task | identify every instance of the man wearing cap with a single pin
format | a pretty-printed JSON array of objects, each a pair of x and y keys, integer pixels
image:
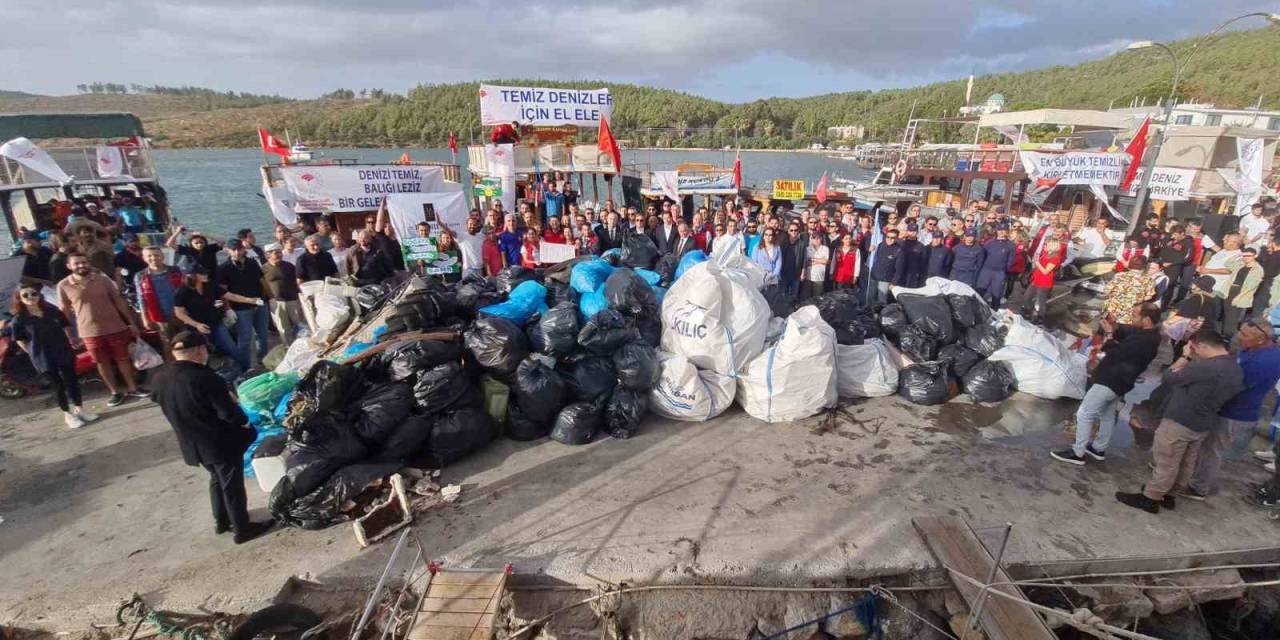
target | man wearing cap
[
  {"x": 998, "y": 256},
  {"x": 967, "y": 260},
  {"x": 212, "y": 431},
  {"x": 243, "y": 277},
  {"x": 130, "y": 261},
  {"x": 888, "y": 266},
  {"x": 249, "y": 242},
  {"x": 915, "y": 258},
  {"x": 939, "y": 259}
]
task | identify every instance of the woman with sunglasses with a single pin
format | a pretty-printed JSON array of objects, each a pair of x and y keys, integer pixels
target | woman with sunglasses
[{"x": 43, "y": 332}]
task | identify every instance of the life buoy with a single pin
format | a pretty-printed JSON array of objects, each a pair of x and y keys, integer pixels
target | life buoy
[{"x": 900, "y": 169}]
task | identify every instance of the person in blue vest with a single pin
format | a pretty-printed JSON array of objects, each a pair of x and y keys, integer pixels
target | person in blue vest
[
  {"x": 915, "y": 257},
  {"x": 967, "y": 260},
  {"x": 998, "y": 257},
  {"x": 939, "y": 259},
  {"x": 889, "y": 265}
]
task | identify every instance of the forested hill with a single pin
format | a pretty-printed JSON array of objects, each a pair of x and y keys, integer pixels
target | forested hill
[{"x": 1233, "y": 70}]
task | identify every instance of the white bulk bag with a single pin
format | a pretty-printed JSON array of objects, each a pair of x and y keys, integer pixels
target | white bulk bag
[
  {"x": 301, "y": 355},
  {"x": 685, "y": 393},
  {"x": 332, "y": 314},
  {"x": 714, "y": 320},
  {"x": 865, "y": 370},
  {"x": 1042, "y": 364},
  {"x": 937, "y": 286},
  {"x": 795, "y": 377}
]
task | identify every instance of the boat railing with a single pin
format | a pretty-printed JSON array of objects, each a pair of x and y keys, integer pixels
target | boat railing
[
  {"x": 970, "y": 160},
  {"x": 81, "y": 163}
]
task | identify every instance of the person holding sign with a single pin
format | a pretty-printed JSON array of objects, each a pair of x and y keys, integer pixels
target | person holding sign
[
  {"x": 529, "y": 250},
  {"x": 448, "y": 263}
]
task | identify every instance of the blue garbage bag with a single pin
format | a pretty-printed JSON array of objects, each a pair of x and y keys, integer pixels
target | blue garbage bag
[
  {"x": 652, "y": 277},
  {"x": 263, "y": 434},
  {"x": 528, "y": 298},
  {"x": 588, "y": 275},
  {"x": 594, "y": 302},
  {"x": 282, "y": 409},
  {"x": 690, "y": 259},
  {"x": 356, "y": 348},
  {"x": 659, "y": 293}
]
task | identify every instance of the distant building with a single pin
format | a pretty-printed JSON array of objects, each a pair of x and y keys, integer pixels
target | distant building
[
  {"x": 847, "y": 132},
  {"x": 1208, "y": 115},
  {"x": 994, "y": 104}
]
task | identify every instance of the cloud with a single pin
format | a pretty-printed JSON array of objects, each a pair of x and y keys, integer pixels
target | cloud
[{"x": 735, "y": 49}]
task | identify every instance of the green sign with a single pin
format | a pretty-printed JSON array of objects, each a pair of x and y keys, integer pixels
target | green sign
[
  {"x": 416, "y": 249},
  {"x": 488, "y": 188}
]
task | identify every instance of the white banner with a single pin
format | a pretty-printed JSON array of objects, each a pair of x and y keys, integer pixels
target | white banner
[
  {"x": 500, "y": 160},
  {"x": 540, "y": 106},
  {"x": 27, "y": 154},
  {"x": 280, "y": 203},
  {"x": 1076, "y": 167},
  {"x": 1249, "y": 153},
  {"x": 110, "y": 162},
  {"x": 555, "y": 253},
  {"x": 336, "y": 188},
  {"x": 406, "y": 210},
  {"x": 667, "y": 183},
  {"x": 1167, "y": 183}
]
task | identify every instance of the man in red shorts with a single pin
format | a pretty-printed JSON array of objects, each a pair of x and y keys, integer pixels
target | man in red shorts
[{"x": 104, "y": 321}]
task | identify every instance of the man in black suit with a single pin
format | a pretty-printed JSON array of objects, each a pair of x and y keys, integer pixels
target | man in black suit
[
  {"x": 212, "y": 431},
  {"x": 684, "y": 243},
  {"x": 666, "y": 233},
  {"x": 611, "y": 234}
]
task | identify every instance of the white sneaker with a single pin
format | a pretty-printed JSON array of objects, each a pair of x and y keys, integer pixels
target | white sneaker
[
  {"x": 1266, "y": 456},
  {"x": 84, "y": 415},
  {"x": 73, "y": 421}
]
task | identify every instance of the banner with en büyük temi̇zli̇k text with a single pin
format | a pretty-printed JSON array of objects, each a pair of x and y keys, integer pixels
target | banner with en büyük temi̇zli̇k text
[
  {"x": 541, "y": 106},
  {"x": 1076, "y": 167},
  {"x": 338, "y": 189}
]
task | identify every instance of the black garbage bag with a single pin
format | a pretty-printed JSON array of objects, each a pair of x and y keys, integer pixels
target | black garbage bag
[
  {"x": 931, "y": 313},
  {"x": 638, "y": 251},
  {"x": 666, "y": 269},
  {"x": 637, "y": 366},
  {"x": 511, "y": 277},
  {"x": 989, "y": 381},
  {"x": 893, "y": 319},
  {"x": 270, "y": 447},
  {"x": 521, "y": 428},
  {"x": 985, "y": 338},
  {"x": 917, "y": 344},
  {"x": 402, "y": 362},
  {"x": 558, "y": 292},
  {"x": 630, "y": 295},
  {"x": 964, "y": 309},
  {"x": 458, "y": 433},
  {"x": 650, "y": 328},
  {"x": 842, "y": 310},
  {"x": 559, "y": 327},
  {"x": 590, "y": 378},
  {"x": 959, "y": 359},
  {"x": 330, "y": 436},
  {"x": 329, "y": 386},
  {"x": 924, "y": 383},
  {"x": 533, "y": 333},
  {"x": 410, "y": 436},
  {"x": 474, "y": 293},
  {"x": 780, "y": 304},
  {"x": 442, "y": 387},
  {"x": 623, "y": 413},
  {"x": 324, "y": 506},
  {"x": 578, "y": 423},
  {"x": 307, "y": 468},
  {"x": 605, "y": 332},
  {"x": 538, "y": 389},
  {"x": 498, "y": 346},
  {"x": 381, "y": 410}
]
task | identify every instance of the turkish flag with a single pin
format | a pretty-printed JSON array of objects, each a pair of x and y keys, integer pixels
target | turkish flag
[
  {"x": 1136, "y": 149},
  {"x": 453, "y": 143},
  {"x": 737, "y": 170},
  {"x": 608, "y": 144},
  {"x": 132, "y": 141},
  {"x": 272, "y": 144},
  {"x": 820, "y": 193}
]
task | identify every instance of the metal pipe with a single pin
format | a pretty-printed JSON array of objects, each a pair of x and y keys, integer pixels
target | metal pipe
[
  {"x": 995, "y": 569},
  {"x": 382, "y": 580}
]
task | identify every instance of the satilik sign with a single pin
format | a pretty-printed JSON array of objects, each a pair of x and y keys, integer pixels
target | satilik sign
[{"x": 788, "y": 189}]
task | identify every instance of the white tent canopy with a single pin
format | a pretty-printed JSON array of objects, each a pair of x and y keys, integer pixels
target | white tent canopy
[{"x": 1079, "y": 118}]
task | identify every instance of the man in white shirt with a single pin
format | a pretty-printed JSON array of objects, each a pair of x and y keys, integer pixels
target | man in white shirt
[
  {"x": 816, "y": 258},
  {"x": 1222, "y": 264},
  {"x": 470, "y": 245},
  {"x": 1094, "y": 241},
  {"x": 1254, "y": 227}
]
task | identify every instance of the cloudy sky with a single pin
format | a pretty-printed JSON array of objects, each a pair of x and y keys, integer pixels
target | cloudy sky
[{"x": 732, "y": 50}]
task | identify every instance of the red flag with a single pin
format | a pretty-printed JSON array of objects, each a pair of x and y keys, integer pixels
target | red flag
[
  {"x": 272, "y": 144},
  {"x": 1136, "y": 149},
  {"x": 453, "y": 144},
  {"x": 133, "y": 141},
  {"x": 737, "y": 170},
  {"x": 1045, "y": 184},
  {"x": 821, "y": 193},
  {"x": 609, "y": 145}
]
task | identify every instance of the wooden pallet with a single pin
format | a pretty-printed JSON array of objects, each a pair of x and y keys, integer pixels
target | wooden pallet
[
  {"x": 460, "y": 605},
  {"x": 955, "y": 545}
]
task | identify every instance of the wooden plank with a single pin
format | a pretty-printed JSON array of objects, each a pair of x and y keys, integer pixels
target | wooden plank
[
  {"x": 462, "y": 591},
  {"x": 460, "y": 605},
  {"x": 451, "y": 619},
  {"x": 955, "y": 545},
  {"x": 454, "y": 633},
  {"x": 490, "y": 578}
]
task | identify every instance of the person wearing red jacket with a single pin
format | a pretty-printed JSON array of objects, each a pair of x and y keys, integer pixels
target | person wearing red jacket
[
  {"x": 506, "y": 133},
  {"x": 555, "y": 232},
  {"x": 848, "y": 263}
]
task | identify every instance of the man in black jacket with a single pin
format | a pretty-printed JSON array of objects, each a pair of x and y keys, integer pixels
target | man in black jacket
[
  {"x": 1128, "y": 352},
  {"x": 888, "y": 267},
  {"x": 212, "y": 431},
  {"x": 610, "y": 235}
]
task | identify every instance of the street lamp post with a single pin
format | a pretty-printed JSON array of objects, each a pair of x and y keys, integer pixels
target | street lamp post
[{"x": 1149, "y": 160}]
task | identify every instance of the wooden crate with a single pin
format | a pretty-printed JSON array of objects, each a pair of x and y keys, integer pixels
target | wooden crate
[{"x": 460, "y": 605}]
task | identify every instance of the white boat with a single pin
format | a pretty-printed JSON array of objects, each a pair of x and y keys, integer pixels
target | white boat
[{"x": 300, "y": 152}]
